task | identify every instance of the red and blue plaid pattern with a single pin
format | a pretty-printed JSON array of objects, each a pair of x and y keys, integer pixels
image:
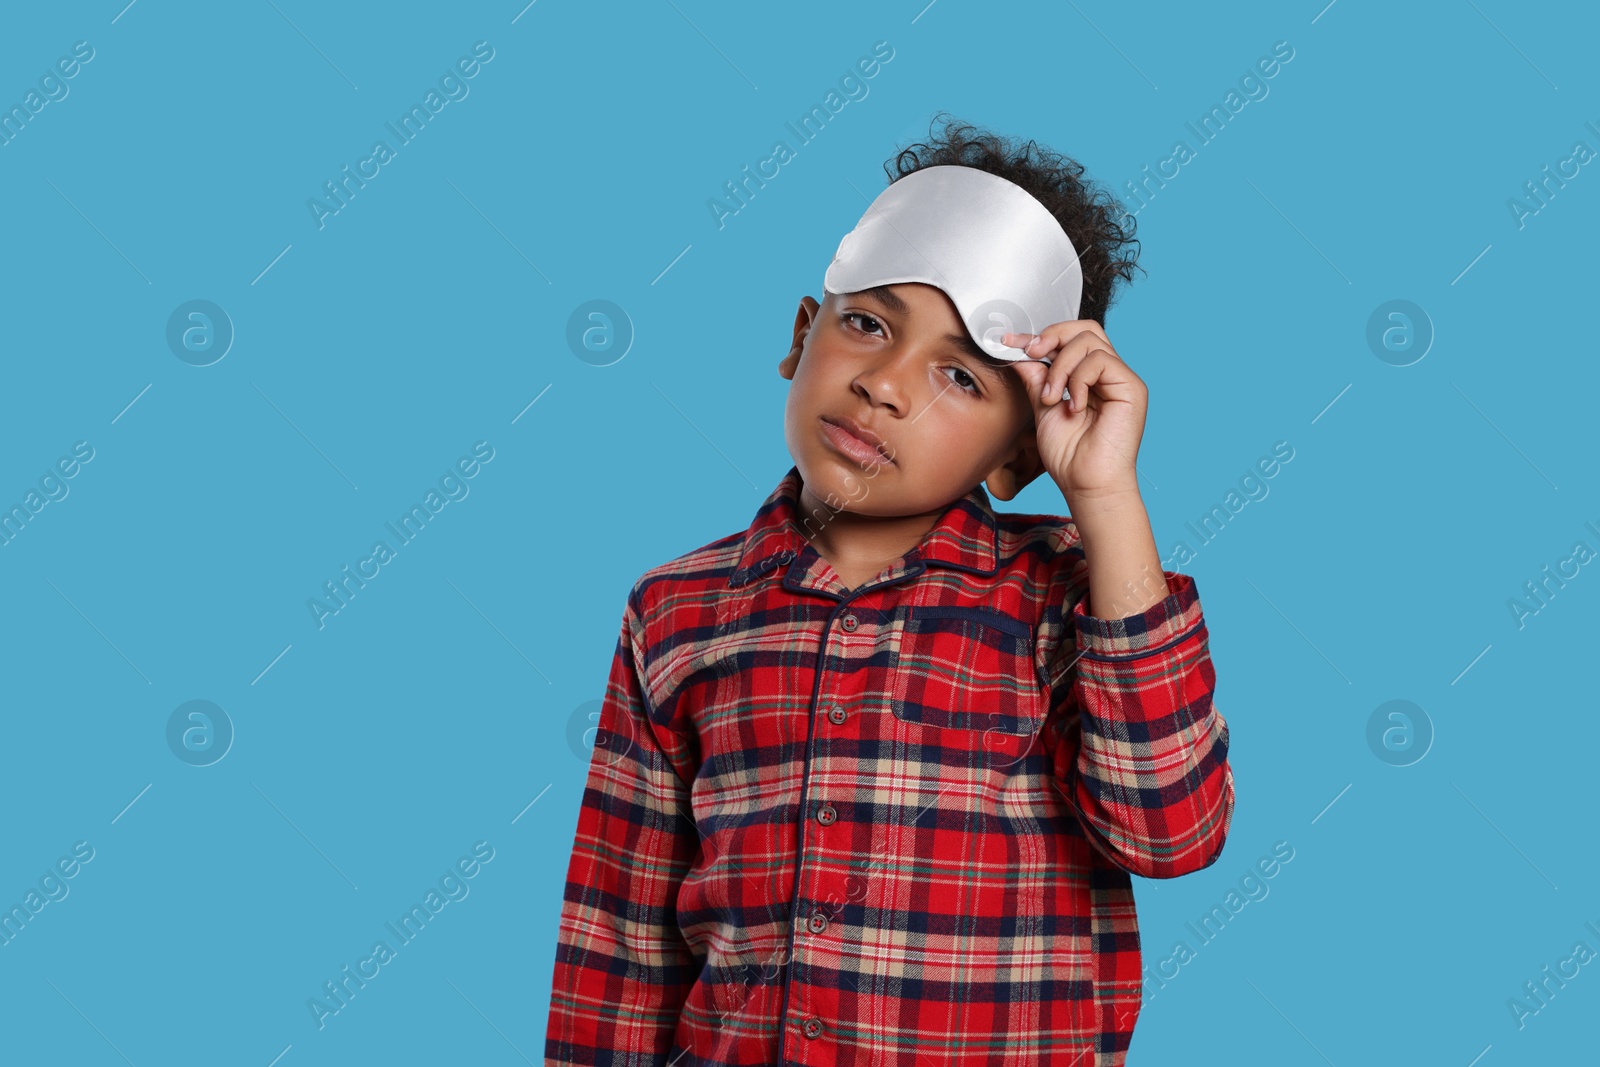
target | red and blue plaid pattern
[{"x": 890, "y": 825}]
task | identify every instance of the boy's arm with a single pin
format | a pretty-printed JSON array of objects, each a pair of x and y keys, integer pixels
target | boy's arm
[
  {"x": 1133, "y": 740},
  {"x": 622, "y": 967}
]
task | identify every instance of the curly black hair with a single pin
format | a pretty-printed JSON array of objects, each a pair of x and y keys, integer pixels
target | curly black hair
[{"x": 1099, "y": 227}]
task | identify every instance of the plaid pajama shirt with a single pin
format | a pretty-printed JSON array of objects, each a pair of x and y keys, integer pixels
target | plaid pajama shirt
[{"x": 891, "y": 825}]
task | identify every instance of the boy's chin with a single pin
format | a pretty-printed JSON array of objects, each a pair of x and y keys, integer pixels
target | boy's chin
[
  {"x": 847, "y": 475},
  {"x": 847, "y": 487}
]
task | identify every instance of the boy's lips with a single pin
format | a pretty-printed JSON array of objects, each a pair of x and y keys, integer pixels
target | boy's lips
[{"x": 855, "y": 440}]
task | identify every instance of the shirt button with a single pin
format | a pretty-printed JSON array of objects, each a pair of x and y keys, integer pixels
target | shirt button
[
  {"x": 813, "y": 1027},
  {"x": 819, "y": 923},
  {"x": 849, "y": 623},
  {"x": 826, "y": 815},
  {"x": 836, "y": 715}
]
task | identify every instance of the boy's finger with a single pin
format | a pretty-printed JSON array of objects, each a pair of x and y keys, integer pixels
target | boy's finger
[
  {"x": 1035, "y": 344},
  {"x": 1032, "y": 370}
]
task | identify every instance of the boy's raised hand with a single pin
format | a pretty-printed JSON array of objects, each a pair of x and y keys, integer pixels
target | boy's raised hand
[{"x": 1088, "y": 408}]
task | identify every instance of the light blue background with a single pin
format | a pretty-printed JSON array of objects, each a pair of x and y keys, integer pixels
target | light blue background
[{"x": 434, "y": 711}]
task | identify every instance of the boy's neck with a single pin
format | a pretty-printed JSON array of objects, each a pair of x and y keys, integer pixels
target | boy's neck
[{"x": 859, "y": 545}]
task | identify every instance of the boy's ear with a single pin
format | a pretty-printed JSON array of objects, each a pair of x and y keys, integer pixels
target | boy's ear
[
  {"x": 803, "y": 319},
  {"x": 1014, "y": 474}
]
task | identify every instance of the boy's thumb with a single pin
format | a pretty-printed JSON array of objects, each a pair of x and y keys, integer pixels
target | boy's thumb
[{"x": 1034, "y": 372}]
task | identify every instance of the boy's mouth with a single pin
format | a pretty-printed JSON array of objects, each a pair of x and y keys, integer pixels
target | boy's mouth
[{"x": 855, "y": 440}]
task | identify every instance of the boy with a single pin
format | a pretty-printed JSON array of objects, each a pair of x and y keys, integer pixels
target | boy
[{"x": 873, "y": 774}]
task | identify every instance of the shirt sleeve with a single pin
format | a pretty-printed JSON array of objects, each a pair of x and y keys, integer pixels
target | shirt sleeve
[
  {"x": 1133, "y": 739},
  {"x": 622, "y": 967}
]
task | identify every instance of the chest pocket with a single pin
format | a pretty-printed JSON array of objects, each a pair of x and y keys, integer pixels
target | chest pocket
[{"x": 966, "y": 668}]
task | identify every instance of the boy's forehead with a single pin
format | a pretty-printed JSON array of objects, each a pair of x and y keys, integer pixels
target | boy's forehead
[{"x": 903, "y": 298}]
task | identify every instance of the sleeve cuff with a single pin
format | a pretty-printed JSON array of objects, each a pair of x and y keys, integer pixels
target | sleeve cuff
[{"x": 1157, "y": 627}]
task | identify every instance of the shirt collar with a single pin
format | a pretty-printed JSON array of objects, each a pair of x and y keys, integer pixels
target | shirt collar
[{"x": 965, "y": 537}]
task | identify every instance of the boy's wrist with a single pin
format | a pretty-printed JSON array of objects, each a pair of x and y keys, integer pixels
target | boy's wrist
[
  {"x": 1110, "y": 500},
  {"x": 1123, "y": 566}
]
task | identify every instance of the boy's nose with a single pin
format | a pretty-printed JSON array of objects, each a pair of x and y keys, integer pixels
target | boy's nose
[{"x": 886, "y": 383}]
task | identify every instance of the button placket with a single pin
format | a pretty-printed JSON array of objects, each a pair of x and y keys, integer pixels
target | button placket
[{"x": 827, "y": 815}]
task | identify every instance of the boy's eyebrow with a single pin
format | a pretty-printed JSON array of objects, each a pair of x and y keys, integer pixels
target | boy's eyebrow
[
  {"x": 883, "y": 295},
  {"x": 962, "y": 342}
]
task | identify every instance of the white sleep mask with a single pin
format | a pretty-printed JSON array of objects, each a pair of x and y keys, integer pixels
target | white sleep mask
[{"x": 997, "y": 252}]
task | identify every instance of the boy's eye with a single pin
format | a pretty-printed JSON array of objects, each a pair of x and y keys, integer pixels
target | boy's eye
[
  {"x": 973, "y": 388},
  {"x": 970, "y": 385},
  {"x": 864, "y": 317}
]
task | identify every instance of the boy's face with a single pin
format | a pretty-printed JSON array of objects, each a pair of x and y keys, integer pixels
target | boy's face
[{"x": 900, "y": 363}]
